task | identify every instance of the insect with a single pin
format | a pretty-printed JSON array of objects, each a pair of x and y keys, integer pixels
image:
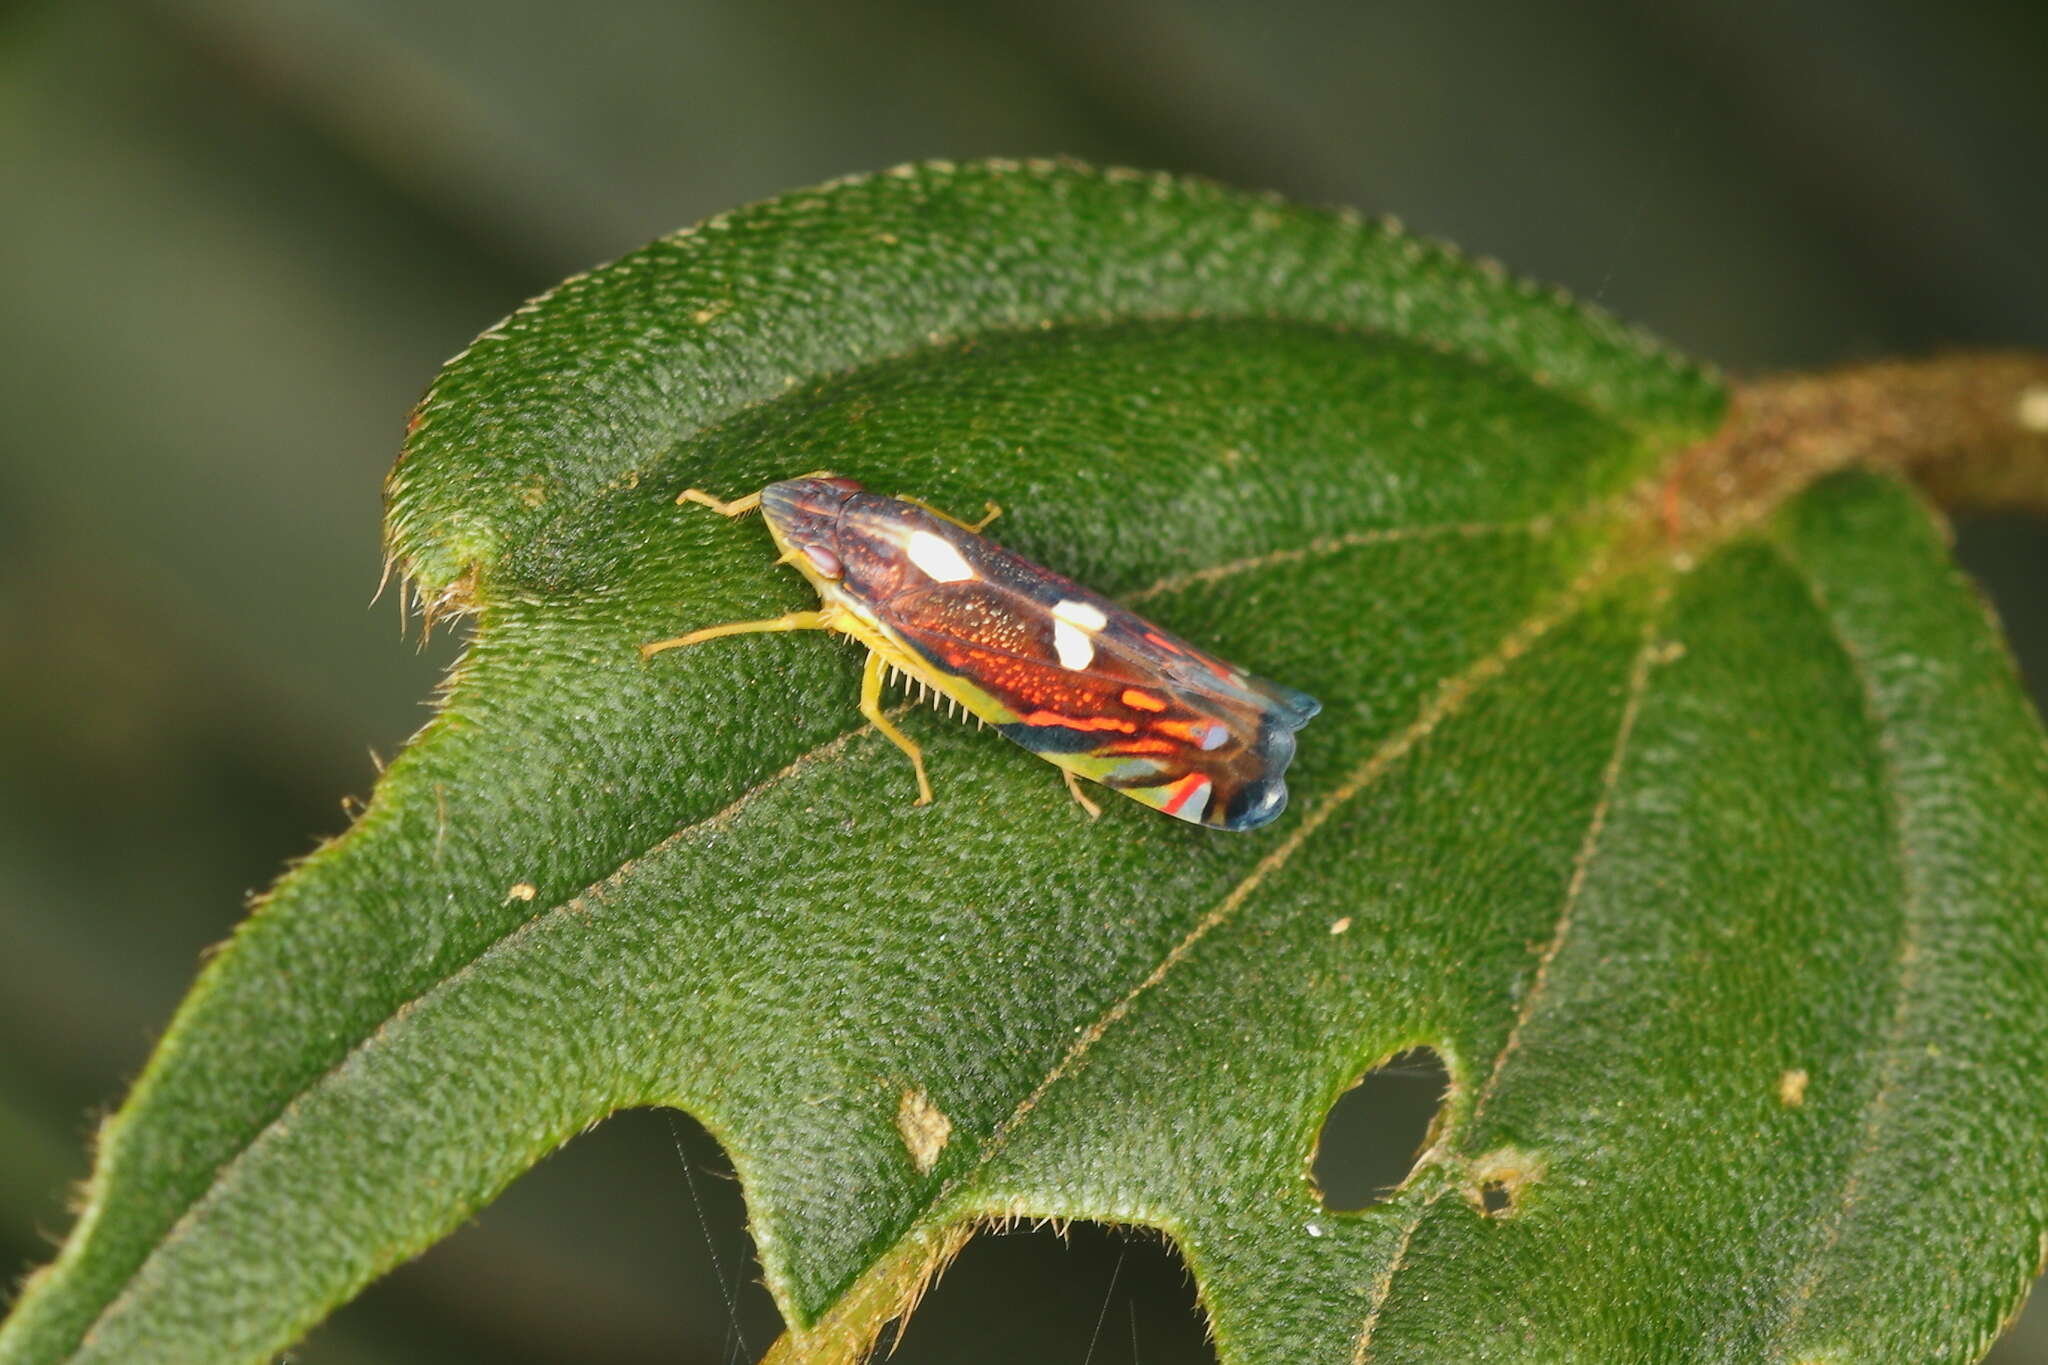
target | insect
[{"x": 1067, "y": 673}]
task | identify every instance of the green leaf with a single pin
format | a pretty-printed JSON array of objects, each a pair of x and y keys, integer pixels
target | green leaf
[{"x": 1636, "y": 835}]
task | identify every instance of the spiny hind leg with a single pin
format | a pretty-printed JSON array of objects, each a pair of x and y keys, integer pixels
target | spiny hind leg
[
  {"x": 871, "y": 707},
  {"x": 1074, "y": 790},
  {"x": 796, "y": 620}
]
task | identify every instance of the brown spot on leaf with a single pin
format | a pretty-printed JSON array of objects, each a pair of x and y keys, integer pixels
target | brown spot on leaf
[
  {"x": 1792, "y": 1089},
  {"x": 925, "y": 1129},
  {"x": 1498, "y": 1179}
]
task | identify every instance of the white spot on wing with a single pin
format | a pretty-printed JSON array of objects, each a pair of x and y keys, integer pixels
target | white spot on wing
[
  {"x": 1072, "y": 623},
  {"x": 1086, "y": 615},
  {"x": 1076, "y": 650},
  {"x": 938, "y": 559}
]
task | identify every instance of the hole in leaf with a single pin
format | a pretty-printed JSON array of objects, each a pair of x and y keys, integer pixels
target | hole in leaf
[
  {"x": 1499, "y": 1177},
  {"x": 599, "y": 1254},
  {"x": 1372, "y": 1135},
  {"x": 1105, "y": 1295}
]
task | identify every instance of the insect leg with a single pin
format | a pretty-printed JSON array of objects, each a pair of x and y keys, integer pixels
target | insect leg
[
  {"x": 989, "y": 513},
  {"x": 738, "y": 507},
  {"x": 1074, "y": 789},
  {"x": 796, "y": 620},
  {"x": 871, "y": 707}
]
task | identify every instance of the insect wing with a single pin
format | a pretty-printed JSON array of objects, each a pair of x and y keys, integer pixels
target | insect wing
[
  {"x": 1217, "y": 752},
  {"x": 1086, "y": 683}
]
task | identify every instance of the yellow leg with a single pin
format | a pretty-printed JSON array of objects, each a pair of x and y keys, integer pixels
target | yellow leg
[
  {"x": 989, "y": 513},
  {"x": 871, "y": 707},
  {"x": 738, "y": 507},
  {"x": 796, "y": 620},
  {"x": 1074, "y": 789}
]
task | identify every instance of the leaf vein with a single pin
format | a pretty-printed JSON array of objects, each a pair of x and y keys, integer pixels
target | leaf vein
[
  {"x": 1582, "y": 862},
  {"x": 195, "y": 1210},
  {"x": 1330, "y": 545},
  {"x": 278, "y": 1122},
  {"x": 1905, "y": 959},
  {"x": 1440, "y": 707},
  {"x": 1447, "y": 701}
]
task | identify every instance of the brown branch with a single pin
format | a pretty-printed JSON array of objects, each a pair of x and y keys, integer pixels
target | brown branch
[{"x": 1971, "y": 428}]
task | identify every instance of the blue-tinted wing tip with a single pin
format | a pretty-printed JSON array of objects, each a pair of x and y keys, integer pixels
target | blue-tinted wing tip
[
  {"x": 1298, "y": 707},
  {"x": 1256, "y": 804}
]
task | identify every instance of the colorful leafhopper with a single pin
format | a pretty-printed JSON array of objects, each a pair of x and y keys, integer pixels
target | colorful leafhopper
[{"x": 1065, "y": 672}]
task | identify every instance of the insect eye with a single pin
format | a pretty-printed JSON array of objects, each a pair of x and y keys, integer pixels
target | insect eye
[{"x": 824, "y": 561}]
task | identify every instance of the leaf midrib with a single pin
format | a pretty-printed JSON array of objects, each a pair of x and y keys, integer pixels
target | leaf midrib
[
  {"x": 195, "y": 1209},
  {"x": 1449, "y": 698}
]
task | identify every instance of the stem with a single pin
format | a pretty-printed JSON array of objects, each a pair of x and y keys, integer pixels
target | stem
[{"x": 1970, "y": 428}]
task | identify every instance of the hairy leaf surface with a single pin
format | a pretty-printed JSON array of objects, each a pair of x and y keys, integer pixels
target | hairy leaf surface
[{"x": 1712, "y": 870}]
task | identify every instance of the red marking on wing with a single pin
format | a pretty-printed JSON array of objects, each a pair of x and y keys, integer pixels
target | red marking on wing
[
  {"x": 1183, "y": 792},
  {"x": 1079, "y": 722},
  {"x": 1182, "y": 726},
  {"x": 1041, "y": 694}
]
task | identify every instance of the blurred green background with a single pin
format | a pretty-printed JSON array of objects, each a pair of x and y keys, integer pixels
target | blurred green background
[{"x": 237, "y": 238}]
